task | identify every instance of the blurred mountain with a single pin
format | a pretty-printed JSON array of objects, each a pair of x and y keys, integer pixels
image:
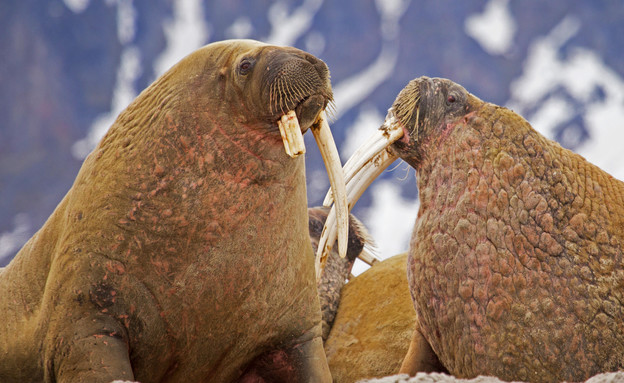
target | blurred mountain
[{"x": 69, "y": 67}]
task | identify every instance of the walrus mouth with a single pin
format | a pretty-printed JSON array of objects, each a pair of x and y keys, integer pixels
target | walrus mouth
[
  {"x": 364, "y": 166},
  {"x": 294, "y": 146}
]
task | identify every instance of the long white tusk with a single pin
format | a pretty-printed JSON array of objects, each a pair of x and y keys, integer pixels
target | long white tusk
[
  {"x": 366, "y": 164},
  {"x": 381, "y": 139},
  {"x": 291, "y": 134},
  {"x": 355, "y": 188},
  {"x": 368, "y": 257},
  {"x": 329, "y": 152}
]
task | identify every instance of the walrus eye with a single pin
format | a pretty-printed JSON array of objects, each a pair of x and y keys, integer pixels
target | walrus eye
[
  {"x": 245, "y": 66},
  {"x": 450, "y": 99}
]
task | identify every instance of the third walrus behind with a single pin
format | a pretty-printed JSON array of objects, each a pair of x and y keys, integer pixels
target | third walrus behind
[{"x": 515, "y": 263}]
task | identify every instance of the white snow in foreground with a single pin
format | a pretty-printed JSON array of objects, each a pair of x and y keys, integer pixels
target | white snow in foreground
[
  {"x": 581, "y": 74},
  {"x": 494, "y": 29}
]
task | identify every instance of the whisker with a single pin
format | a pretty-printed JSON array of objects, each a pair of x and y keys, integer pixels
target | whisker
[
  {"x": 407, "y": 171},
  {"x": 281, "y": 96},
  {"x": 417, "y": 122},
  {"x": 330, "y": 112},
  {"x": 271, "y": 97}
]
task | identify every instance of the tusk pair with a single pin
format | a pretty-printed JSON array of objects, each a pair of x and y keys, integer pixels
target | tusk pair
[
  {"x": 294, "y": 146},
  {"x": 366, "y": 164}
]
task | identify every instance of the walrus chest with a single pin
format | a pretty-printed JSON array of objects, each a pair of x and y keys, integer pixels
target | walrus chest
[{"x": 224, "y": 267}]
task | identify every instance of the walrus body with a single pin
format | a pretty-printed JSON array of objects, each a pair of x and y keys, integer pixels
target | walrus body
[
  {"x": 515, "y": 263},
  {"x": 373, "y": 325},
  {"x": 181, "y": 253}
]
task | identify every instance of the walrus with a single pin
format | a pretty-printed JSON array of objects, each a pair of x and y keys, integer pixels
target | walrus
[
  {"x": 515, "y": 262},
  {"x": 374, "y": 322},
  {"x": 360, "y": 245},
  {"x": 181, "y": 253}
]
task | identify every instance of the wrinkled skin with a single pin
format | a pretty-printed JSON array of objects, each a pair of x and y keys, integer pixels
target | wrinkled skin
[
  {"x": 515, "y": 261},
  {"x": 181, "y": 253}
]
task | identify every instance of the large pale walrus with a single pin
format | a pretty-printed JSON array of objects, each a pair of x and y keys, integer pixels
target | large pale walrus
[
  {"x": 181, "y": 253},
  {"x": 515, "y": 262}
]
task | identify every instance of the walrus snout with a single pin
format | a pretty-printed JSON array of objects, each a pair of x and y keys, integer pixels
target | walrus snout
[
  {"x": 294, "y": 77},
  {"x": 308, "y": 110}
]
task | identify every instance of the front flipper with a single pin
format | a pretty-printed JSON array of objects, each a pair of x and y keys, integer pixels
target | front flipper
[
  {"x": 304, "y": 362},
  {"x": 420, "y": 357},
  {"x": 93, "y": 350}
]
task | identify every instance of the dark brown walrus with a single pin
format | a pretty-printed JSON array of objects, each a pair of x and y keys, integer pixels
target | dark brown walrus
[
  {"x": 337, "y": 269},
  {"x": 515, "y": 262},
  {"x": 181, "y": 253}
]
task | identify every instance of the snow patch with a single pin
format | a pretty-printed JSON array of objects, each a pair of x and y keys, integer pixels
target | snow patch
[
  {"x": 494, "y": 29},
  {"x": 554, "y": 89},
  {"x": 126, "y": 21},
  {"x": 543, "y": 67},
  {"x": 241, "y": 28},
  {"x": 123, "y": 94},
  {"x": 317, "y": 182},
  {"x": 390, "y": 218},
  {"x": 552, "y": 113},
  {"x": 127, "y": 73},
  {"x": 287, "y": 27},
  {"x": 353, "y": 90},
  {"x": 315, "y": 43},
  {"x": 12, "y": 241},
  {"x": 186, "y": 32},
  {"x": 76, "y": 6},
  {"x": 368, "y": 120},
  {"x": 390, "y": 12}
]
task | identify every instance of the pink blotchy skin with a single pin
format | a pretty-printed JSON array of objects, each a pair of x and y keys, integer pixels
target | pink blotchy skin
[
  {"x": 181, "y": 253},
  {"x": 515, "y": 261}
]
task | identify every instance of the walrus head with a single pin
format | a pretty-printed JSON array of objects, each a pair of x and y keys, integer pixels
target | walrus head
[
  {"x": 425, "y": 109},
  {"x": 423, "y": 112},
  {"x": 275, "y": 80}
]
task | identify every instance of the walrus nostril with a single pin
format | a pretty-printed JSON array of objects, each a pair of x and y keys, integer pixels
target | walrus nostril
[
  {"x": 294, "y": 81},
  {"x": 319, "y": 65},
  {"x": 308, "y": 110}
]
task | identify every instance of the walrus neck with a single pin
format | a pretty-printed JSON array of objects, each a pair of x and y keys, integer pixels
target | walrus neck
[{"x": 255, "y": 141}]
